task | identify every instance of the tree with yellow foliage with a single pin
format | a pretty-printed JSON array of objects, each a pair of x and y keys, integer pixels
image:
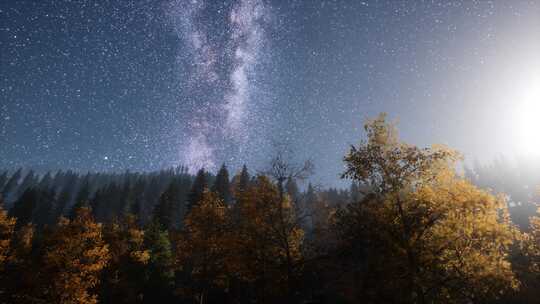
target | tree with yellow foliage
[
  {"x": 7, "y": 226},
  {"x": 268, "y": 239},
  {"x": 532, "y": 243},
  {"x": 74, "y": 255},
  {"x": 203, "y": 247},
  {"x": 422, "y": 234}
]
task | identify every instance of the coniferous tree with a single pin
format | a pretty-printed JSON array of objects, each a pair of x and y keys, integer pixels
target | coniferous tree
[
  {"x": 136, "y": 206},
  {"x": 75, "y": 208},
  {"x": 127, "y": 198},
  {"x": 11, "y": 185},
  {"x": 151, "y": 195},
  {"x": 311, "y": 196},
  {"x": 111, "y": 202},
  {"x": 28, "y": 181},
  {"x": 3, "y": 179},
  {"x": 65, "y": 196},
  {"x": 46, "y": 181},
  {"x": 95, "y": 204},
  {"x": 197, "y": 189},
  {"x": 23, "y": 208},
  {"x": 81, "y": 198},
  {"x": 221, "y": 184},
  {"x": 165, "y": 209},
  {"x": 83, "y": 194},
  {"x": 160, "y": 272},
  {"x": 242, "y": 181},
  {"x": 45, "y": 208}
]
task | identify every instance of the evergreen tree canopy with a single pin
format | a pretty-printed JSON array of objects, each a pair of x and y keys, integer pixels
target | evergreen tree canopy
[
  {"x": 197, "y": 189},
  {"x": 221, "y": 184},
  {"x": 23, "y": 208}
]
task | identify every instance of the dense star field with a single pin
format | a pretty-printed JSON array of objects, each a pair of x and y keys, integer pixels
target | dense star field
[
  {"x": 143, "y": 85},
  {"x": 269, "y": 151}
]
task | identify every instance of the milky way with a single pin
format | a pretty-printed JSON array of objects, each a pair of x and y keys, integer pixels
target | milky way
[
  {"x": 115, "y": 85},
  {"x": 224, "y": 63}
]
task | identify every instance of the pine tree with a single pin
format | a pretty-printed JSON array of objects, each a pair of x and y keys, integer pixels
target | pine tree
[
  {"x": 221, "y": 184},
  {"x": 65, "y": 196},
  {"x": 164, "y": 211},
  {"x": 81, "y": 198},
  {"x": 23, "y": 208},
  {"x": 311, "y": 196},
  {"x": 3, "y": 179},
  {"x": 160, "y": 271},
  {"x": 45, "y": 208},
  {"x": 28, "y": 181},
  {"x": 136, "y": 206},
  {"x": 83, "y": 195},
  {"x": 11, "y": 185},
  {"x": 46, "y": 181},
  {"x": 242, "y": 182},
  {"x": 75, "y": 208},
  {"x": 197, "y": 189}
]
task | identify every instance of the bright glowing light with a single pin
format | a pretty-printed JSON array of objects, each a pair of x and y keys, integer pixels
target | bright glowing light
[{"x": 528, "y": 124}]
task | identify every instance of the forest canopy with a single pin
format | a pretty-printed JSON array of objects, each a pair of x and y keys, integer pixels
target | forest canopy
[{"x": 410, "y": 229}]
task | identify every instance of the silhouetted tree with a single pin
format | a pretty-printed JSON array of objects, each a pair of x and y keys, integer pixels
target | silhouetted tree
[
  {"x": 221, "y": 184},
  {"x": 11, "y": 185},
  {"x": 28, "y": 181},
  {"x": 166, "y": 207},
  {"x": 23, "y": 208},
  {"x": 65, "y": 196},
  {"x": 242, "y": 181},
  {"x": 197, "y": 189},
  {"x": 45, "y": 208},
  {"x": 160, "y": 271},
  {"x": 3, "y": 179}
]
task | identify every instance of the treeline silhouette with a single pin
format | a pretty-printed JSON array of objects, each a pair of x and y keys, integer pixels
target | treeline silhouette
[
  {"x": 43, "y": 198},
  {"x": 408, "y": 230}
]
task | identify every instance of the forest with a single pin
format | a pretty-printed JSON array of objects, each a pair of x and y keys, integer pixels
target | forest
[{"x": 411, "y": 228}]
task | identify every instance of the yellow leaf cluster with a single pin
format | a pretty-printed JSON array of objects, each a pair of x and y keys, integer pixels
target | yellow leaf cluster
[{"x": 75, "y": 255}]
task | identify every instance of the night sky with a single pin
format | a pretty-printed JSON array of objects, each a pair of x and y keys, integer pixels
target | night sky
[{"x": 144, "y": 85}]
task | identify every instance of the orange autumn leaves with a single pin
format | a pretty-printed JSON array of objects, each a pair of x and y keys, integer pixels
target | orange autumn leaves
[
  {"x": 429, "y": 233},
  {"x": 251, "y": 241}
]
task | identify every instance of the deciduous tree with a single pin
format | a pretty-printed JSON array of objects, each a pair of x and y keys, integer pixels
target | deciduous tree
[
  {"x": 423, "y": 234},
  {"x": 75, "y": 253}
]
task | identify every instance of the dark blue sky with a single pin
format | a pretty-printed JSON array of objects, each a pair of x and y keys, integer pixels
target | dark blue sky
[{"x": 141, "y": 85}]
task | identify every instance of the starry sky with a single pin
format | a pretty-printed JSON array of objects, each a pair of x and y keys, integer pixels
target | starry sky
[{"x": 144, "y": 85}]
